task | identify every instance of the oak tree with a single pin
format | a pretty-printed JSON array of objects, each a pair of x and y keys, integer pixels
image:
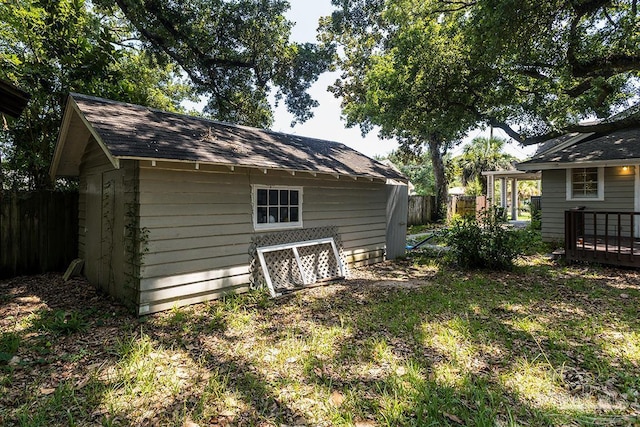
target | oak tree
[
  {"x": 235, "y": 52},
  {"x": 427, "y": 71},
  {"x": 52, "y": 47}
]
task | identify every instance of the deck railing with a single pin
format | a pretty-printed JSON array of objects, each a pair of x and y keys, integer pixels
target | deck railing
[{"x": 602, "y": 236}]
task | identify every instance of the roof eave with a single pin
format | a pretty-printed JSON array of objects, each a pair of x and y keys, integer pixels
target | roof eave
[
  {"x": 264, "y": 169},
  {"x": 527, "y": 166}
]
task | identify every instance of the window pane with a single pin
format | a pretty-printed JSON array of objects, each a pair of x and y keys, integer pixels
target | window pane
[
  {"x": 284, "y": 197},
  {"x": 584, "y": 182},
  {"x": 294, "y": 214},
  {"x": 273, "y": 215},
  {"x": 262, "y": 196},
  {"x": 293, "y": 198},
  {"x": 262, "y": 215},
  {"x": 284, "y": 214},
  {"x": 273, "y": 197},
  {"x": 591, "y": 176}
]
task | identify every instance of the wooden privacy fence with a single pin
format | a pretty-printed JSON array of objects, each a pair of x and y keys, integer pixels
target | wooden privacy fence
[
  {"x": 38, "y": 231},
  {"x": 461, "y": 205},
  {"x": 421, "y": 209}
]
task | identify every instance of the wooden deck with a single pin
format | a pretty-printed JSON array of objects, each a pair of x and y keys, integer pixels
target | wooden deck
[{"x": 602, "y": 237}]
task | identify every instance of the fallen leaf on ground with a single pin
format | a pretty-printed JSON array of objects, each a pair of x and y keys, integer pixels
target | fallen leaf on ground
[
  {"x": 336, "y": 398},
  {"x": 453, "y": 418}
]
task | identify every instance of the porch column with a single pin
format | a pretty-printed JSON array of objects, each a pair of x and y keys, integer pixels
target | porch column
[
  {"x": 514, "y": 199},
  {"x": 490, "y": 190},
  {"x": 503, "y": 193}
]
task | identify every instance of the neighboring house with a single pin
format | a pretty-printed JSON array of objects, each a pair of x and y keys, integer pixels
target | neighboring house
[
  {"x": 12, "y": 99},
  {"x": 172, "y": 206},
  {"x": 594, "y": 171}
]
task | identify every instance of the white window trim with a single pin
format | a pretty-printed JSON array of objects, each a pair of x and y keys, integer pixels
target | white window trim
[
  {"x": 569, "y": 187},
  {"x": 277, "y": 225}
]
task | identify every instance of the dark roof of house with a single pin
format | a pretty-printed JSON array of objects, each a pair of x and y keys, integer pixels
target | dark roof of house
[
  {"x": 617, "y": 146},
  {"x": 133, "y": 131},
  {"x": 551, "y": 143},
  {"x": 12, "y": 99}
]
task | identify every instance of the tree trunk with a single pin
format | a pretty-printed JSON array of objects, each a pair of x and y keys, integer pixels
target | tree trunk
[{"x": 437, "y": 161}]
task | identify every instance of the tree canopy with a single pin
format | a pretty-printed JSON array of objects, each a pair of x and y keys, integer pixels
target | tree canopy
[
  {"x": 235, "y": 52},
  {"x": 54, "y": 47},
  {"x": 533, "y": 68},
  {"x": 155, "y": 53},
  {"x": 427, "y": 71}
]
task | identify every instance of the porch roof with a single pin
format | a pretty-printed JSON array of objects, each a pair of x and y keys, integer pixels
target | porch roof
[
  {"x": 13, "y": 100},
  {"x": 517, "y": 174}
]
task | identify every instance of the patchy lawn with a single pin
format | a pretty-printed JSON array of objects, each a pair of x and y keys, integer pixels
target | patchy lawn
[{"x": 399, "y": 344}]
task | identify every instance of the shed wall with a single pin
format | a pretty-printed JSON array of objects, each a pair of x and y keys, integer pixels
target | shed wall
[
  {"x": 618, "y": 196},
  {"x": 106, "y": 195},
  {"x": 199, "y": 226}
]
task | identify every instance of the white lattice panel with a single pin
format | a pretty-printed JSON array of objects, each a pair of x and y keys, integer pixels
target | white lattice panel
[{"x": 296, "y": 264}]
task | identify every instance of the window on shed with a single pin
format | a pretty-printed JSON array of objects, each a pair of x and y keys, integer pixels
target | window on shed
[
  {"x": 277, "y": 207},
  {"x": 585, "y": 183}
]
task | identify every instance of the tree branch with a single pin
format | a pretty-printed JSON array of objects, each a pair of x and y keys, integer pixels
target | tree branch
[
  {"x": 506, "y": 128},
  {"x": 161, "y": 44},
  {"x": 605, "y": 66}
]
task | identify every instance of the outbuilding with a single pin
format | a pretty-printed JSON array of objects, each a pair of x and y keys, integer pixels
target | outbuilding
[{"x": 176, "y": 209}]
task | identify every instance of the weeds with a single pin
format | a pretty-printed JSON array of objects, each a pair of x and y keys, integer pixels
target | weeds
[
  {"x": 61, "y": 322},
  {"x": 9, "y": 343}
]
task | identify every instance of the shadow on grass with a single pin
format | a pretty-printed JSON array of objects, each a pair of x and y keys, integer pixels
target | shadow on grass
[{"x": 474, "y": 348}]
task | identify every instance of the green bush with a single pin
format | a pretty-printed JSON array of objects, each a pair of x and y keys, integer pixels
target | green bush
[{"x": 485, "y": 242}]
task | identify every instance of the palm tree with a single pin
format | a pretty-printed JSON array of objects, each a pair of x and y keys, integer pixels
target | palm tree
[{"x": 483, "y": 154}]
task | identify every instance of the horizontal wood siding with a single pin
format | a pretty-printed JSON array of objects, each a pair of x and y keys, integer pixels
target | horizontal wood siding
[
  {"x": 200, "y": 226},
  {"x": 618, "y": 196},
  {"x": 199, "y": 231}
]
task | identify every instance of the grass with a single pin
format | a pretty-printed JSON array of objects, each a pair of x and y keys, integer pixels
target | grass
[{"x": 410, "y": 343}]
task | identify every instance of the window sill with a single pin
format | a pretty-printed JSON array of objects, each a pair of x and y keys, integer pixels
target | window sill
[
  {"x": 585, "y": 199},
  {"x": 277, "y": 226}
]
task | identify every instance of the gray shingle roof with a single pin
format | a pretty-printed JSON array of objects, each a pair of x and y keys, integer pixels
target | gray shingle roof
[
  {"x": 133, "y": 131},
  {"x": 620, "y": 145}
]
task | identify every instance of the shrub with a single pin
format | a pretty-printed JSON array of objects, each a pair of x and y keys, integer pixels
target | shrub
[{"x": 485, "y": 242}]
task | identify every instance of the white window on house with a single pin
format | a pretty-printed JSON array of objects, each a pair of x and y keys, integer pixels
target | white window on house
[
  {"x": 277, "y": 207},
  {"x": 585, "y": 183}
]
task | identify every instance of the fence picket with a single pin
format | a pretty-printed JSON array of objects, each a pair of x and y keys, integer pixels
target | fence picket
[{"x": 38, "y": 231}]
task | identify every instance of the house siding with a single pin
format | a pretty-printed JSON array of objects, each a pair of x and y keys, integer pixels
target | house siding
[
  {"x": 618, "y": 196},
  {"x": 199, "y": 226}
]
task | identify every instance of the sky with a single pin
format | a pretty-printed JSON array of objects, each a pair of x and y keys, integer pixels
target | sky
[{"x": 326, "y": 123}]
